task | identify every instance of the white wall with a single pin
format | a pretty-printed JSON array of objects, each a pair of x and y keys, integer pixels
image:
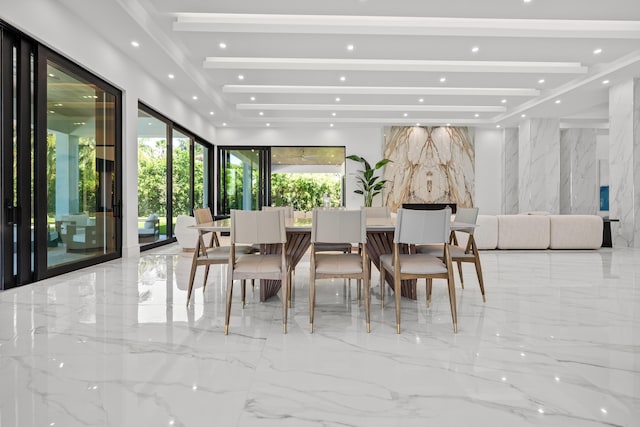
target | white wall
[
  {"x": 365, "y": 142},
  {"x": 58, "y": 28}
]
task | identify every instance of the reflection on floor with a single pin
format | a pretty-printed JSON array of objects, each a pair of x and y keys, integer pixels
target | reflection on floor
[{"x": 556, "y": 344}]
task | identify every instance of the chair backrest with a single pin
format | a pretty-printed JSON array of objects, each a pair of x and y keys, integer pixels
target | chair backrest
[
  {"x": 420, "y": 227},
  {"x": 378, "y": 212},
  {"x": 202, "y": 215},
  {"x": 467, "y": 216},
  {"x": 258, "y": 226},
  {"x": 288, "y": 210},
  {"x": 338, "y": 226}
]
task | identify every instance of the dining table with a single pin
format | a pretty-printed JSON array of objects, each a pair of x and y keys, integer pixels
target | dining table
[{"x": 380, "y": 232}]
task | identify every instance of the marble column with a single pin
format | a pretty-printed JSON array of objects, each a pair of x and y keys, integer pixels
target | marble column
[
  {"x": 578, "y": 172},
  {"x": 510, "y": 180},
  {"x": 539, "y": 165},
  {"x": 624, "y": 162}
]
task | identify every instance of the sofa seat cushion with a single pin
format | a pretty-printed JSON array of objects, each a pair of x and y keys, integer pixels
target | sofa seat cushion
[
  {"x": 575, "y": 231},
  {"x": 523, "y": 231}
]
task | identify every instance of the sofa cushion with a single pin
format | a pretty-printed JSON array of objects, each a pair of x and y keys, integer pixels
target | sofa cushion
[
  {"x": 576, "y": 231},
  {"x": 523, "y": 231}
]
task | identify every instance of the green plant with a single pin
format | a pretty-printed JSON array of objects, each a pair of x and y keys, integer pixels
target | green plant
[{"x": 369, "y": 184}]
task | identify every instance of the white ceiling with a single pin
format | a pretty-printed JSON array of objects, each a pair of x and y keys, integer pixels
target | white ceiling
[{"x": 293, "y": 53}]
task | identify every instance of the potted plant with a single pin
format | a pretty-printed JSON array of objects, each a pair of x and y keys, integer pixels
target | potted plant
[{"x": 369, "y": 184}]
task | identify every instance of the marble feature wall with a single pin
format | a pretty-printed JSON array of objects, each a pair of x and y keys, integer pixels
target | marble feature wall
[
  {"x": 624, "y": 162},
  {"x": 578, "y": 172},
  {"x": 539, "y": 165},
  {"x": 430, "y": 165},
  {"x": 510, "y": 181}
]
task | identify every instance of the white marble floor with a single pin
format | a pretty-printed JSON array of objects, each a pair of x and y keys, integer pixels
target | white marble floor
[{"x": 556, "y": 344}]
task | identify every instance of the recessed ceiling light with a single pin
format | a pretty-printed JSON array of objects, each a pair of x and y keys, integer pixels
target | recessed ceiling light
[
  {"x": 476, "y": 115},
  {"x": 498, "y": 126},
  {"x": 405, "y": 114},
  {"x": 51, "y": 75},
  {"x": 417, "y": 124},
  {"x": 253, "y": 98},
  {"x": 338, "y": 99},
  {"x": 224, "y": 123},
  {"x": 195, "y": 98},
  {"x": 268, "y": 124},
  {"x": 527, "y": 1},
  {"x": 333, "y": 114},
  {"x": 598, "y": 51},
  {"x": 350, "y": 47},
  {"x": 603, "y": 410},
  {"x": 261, "y": 113},
  {"x": 541, "y": 81},
  {"x": 57, "y": 105},
  {"x": 240, "y": 77},
  {"x": 222, "y": 45},
  {"x": 330, "y": 125},
  {"x": 135, "y": 44},
  {"x": 523, "y": 115},
  {"x": 475, "y": 49},
  {"x": 421, "y": 100},
  {"x": 211, "y": 113},
  {"x": 504, "y": 101},
  {"x": 443, "y": 79},
  {"x": 557, "y": 101},
  {"x": 605, "y": 82},
  {"x": 171, "y": 76},
  {"x": 540, "y": 410},
  {"x": 343, "y": 78},
  {"x": 448, "y": 124}
]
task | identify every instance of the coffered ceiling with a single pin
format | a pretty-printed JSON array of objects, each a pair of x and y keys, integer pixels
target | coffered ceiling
[{"x": 337, "y": 63}]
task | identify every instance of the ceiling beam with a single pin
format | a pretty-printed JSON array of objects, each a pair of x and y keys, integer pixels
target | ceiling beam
[
  {"x": 351, "y": 107},
  {"x": 381, "y": 90},
  {"x": 258, "y": 63},
  {"x": 398, "y": 25}
]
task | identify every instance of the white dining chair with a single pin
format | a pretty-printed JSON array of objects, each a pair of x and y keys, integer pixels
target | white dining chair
[
  {"x": 419, "y": 227},
  {"x": 331, "y": 226},
  {"x": 459, "y": 254},
  {"x": 262, "y": 228}
]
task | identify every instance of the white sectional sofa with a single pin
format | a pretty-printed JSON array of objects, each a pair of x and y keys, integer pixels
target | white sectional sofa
[{"x": 539, "y": 232}]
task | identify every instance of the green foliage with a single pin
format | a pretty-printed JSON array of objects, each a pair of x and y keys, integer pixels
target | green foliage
[
  {"x": 304, "y": 191},
  {"x": 369, "y": 184},
  {"x": 152, "y": 177}
]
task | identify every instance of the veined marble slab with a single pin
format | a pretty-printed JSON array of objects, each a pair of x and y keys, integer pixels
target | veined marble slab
[
  {"x": 510, "y": 187},
  {"x": 430, "y": 165},
  {"x": 579, "y": 192},
  {"x": 555, "y": 344}
]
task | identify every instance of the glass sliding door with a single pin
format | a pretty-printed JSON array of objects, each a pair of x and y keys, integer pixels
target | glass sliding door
[
  {"x": 244, "y": 178},
  {"x": 181, "y": 175},
  {"x": 152, "y": 178},
  {"x": 201, "y": 169},
  {"x": 16, "y": 123},
  {"x": 81, "y": 152},
  {"x": 173, "y": 176}
]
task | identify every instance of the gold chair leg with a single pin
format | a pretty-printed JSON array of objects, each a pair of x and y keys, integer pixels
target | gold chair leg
[
  {"x": 244, "y": 293},
  {"x": 367, "y": 301},
  {"x": 396, "y": 290},
  {"x": 227, "y": 316},
  {"x": 312, "y": 300},
  {"x": 285, "y": 300},
  {"x": 429, "y": 288},
  {"x": 480, "y": 281},
  {"x": 452, "y": 302},
  {"x": 460, "y": 273},
  {"x": 206, "y": 276}
]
